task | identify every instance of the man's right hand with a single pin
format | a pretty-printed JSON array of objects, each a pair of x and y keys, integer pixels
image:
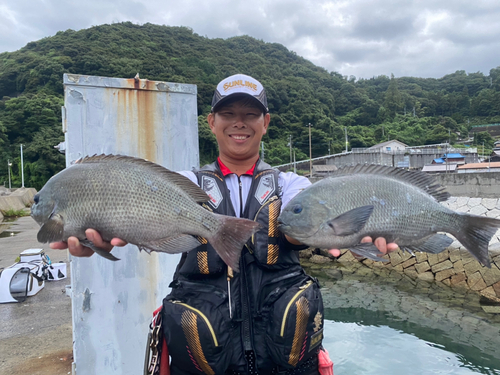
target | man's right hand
[{"x": 78, "y": 250}]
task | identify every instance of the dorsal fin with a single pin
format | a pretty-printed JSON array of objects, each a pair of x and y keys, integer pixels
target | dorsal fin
[
  {"x": 188, "y": 186},
  {"x": 419, "y": 179}
]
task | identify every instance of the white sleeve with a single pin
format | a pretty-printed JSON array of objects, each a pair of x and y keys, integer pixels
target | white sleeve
[
  {"x": 190, "y": 175},
  {"x": 291, "y": 184}
]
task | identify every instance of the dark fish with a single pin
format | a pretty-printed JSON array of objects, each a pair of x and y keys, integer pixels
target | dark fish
[
  {"x": 138, "y": 201},
  {"x": 379, "y": 201}
]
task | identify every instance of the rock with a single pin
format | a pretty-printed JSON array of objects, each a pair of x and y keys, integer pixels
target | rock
[
  {"x": 306, "y": 254},
  {"x": 319, "y": 259},
  {"x": 490, "y": 275},
  {"x": 462, "y": 201},
  {"x": 458, "y": 278},
  {"x": 421, "y": 256},
  {"x": 333, "y": 273},
  {"x": 347, "y": 257},
  {"x": 395, "y": 258}
]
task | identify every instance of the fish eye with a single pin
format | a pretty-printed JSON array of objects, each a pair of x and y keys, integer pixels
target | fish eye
[
  {"x": 36, "y": 198},
  {"x": 297, "y": 209}
]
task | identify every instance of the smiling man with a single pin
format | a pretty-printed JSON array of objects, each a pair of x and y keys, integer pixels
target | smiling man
[{"x": 267, "y": 318}]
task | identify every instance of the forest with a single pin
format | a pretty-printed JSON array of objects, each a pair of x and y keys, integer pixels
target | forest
[{"x": 415, "y": 111}]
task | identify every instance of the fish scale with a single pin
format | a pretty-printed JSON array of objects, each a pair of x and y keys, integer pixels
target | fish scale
[
  {"x": 139, "y": 202},
  {"x": 379, "y": 201}
]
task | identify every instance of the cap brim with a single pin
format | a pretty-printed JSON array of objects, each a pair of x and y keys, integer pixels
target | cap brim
[{"x": 238, "y": 95}]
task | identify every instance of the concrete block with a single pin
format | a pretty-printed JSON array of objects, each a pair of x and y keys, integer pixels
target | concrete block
[
  {"x": 411, "y": 271},
  {"x": 489, "y": 293},
  {"x": 421, "y": 256},
  {"x": 11, "y": 203},
  {"x": 471, "y": 267},
  {"x": 462, "y": 201},
  {"x": 473, "y": 202},
  {"x": 395, "y": 258},
  {"x": 319, "y": 259},
  {"x": 464, "y": 209},
  {"x": 432, "y": 259},
  {"x": 478, "y": 210},
  {"x": 442, "y": 266},
  {"x": 422, "y": 267},
  {"x": 446, "y": 282},
  {"x": 347, "y": 257},
  {"x": 26, "y": 195},
  {"x": 458, "y": 278},
  {"x": 458, "y": 266},
  {"x": 495, "y": 213},
  {"x": 491, "y": 309},
  {"x": 409, "y": 262},
  {"x": 490, "y": 275},
  {"x": 443, "y": 255},
  {"x": 426, "y": 276},
  {"x": 445, "y": 274},
  {"x": 489, "y": 203},
  {"x": 476, "y": 282},
  {"x": 496, "y": 288}
]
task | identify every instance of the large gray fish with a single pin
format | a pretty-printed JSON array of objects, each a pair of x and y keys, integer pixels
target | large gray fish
[
  {"x": 138, "y": 201},
  {"x": 379, "y": 201}
]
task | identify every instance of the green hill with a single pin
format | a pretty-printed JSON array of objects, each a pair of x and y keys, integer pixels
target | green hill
[{"x": 413, "y": 110}]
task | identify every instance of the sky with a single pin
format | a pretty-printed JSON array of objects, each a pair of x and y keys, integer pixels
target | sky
[{"x": 361, "y": 38}]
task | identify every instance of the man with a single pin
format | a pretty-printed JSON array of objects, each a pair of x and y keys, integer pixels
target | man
[{"x": 267, "y": 318}]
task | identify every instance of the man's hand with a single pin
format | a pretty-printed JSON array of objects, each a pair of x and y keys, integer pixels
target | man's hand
[
  {"x": 380, "y": 243},
  {"x": 78, "y": 250}
]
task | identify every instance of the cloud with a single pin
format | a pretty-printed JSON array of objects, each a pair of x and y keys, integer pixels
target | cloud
[{"x": 363, "y": 38}]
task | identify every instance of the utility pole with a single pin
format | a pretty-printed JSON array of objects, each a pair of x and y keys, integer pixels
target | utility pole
[
  {"x": 345, "y": 129},
  {"x": 22, "y": 167},
  {"x": 262, "y": 150},
  {"x": 310, "y": 152},
  {"x": 9, "y": 164},
  {"x": 290, "y": 143},
  {"x": 294, "y": 163}
]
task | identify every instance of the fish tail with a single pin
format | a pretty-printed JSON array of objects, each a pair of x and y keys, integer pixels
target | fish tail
[
  {"x": 475, "y": 234},
  {"x": 229, "y": 240}
]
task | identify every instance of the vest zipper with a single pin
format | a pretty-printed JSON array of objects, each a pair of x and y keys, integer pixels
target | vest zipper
[
  {"x": 241, "y": 196},
  {"x": 201, "y": 315},
  {"x": 302, "y": 289}
]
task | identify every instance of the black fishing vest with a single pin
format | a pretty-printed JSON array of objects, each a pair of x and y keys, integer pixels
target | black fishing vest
[{"x": 270, "y": 310}]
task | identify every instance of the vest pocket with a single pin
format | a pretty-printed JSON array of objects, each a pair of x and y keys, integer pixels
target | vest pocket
[
  {"x": 197, "y": 332},
  {"x": 295, "y": 327}
]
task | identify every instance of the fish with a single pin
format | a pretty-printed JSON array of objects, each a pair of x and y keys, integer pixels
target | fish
[
  {"x": 139, "y": 202},
  {"x": 380, "y": 201}
]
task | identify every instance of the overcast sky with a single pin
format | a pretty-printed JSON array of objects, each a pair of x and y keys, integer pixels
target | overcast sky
[{"x": 364, "y": 38}]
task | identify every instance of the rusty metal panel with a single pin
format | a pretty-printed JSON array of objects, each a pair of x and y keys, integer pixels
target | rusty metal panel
[{"x": 112, "y": 302}]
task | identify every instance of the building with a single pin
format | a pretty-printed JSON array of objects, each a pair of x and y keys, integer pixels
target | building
[
  {"x": 393, "y": 145},
  {"x": 479, "y": 167},
  {"x": 440, "y": 168},
  {"x": 450, "y": 159}
]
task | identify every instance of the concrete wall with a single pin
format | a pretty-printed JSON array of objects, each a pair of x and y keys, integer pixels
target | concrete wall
[{"x": 485, "y": 185}]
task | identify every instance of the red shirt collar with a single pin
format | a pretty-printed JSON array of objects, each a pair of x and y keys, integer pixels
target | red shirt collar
[{"x": 225, "y": 170}]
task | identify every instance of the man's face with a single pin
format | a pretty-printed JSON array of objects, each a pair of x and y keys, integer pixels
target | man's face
[{"x": 239, "y": 128}]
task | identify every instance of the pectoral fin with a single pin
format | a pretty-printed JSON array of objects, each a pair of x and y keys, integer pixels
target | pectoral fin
[
  {"x": 351, "y": 221},
  {"x": 368, "y": 250},
  {"x": 104, "y": 253},
  {"x": 52, "y": 230}
]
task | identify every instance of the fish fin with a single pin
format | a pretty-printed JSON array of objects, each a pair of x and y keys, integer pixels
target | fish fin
[
  {"x": 420, "y": 179},
  {"x": 433, "y": 244},
  {"x": 351, "y": 221},
  {"x": 172, "y": 245},
  {"x": 104, "y": 253},
  {"x": 368, "y": 250},
  {"x": 188, "y": 186},
  {"x": 231, "y": 237},
  {"x": 475, "y": 234},
  {"x": 52, "y": 230}
]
